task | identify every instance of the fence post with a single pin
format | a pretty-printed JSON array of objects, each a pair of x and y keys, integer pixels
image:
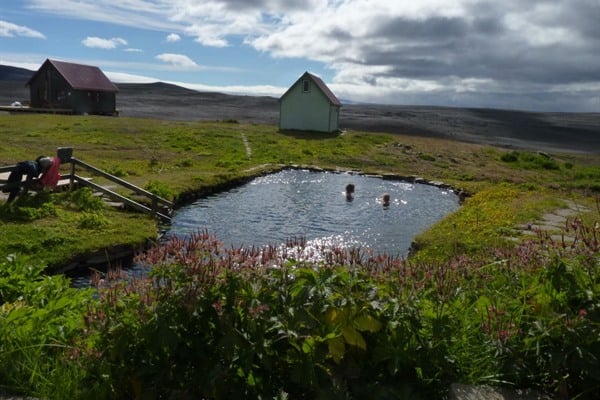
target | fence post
[
  {"x": 154, "y": 206},
  {"x": 72, "y": 177},
  {"x": 65, "y": 154}
]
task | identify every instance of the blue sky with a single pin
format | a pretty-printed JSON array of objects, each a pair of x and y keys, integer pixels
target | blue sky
[{"x": 533, "y": 55}]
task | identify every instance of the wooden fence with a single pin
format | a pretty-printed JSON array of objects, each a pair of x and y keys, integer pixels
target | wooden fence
[{"x": 158, "y": 207}]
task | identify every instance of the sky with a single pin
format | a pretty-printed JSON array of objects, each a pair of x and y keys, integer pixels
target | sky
[{"x": 539, "y": 55}]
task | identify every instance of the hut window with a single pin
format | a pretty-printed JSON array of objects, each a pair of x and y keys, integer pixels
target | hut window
[{"x": 306, "y": 85}]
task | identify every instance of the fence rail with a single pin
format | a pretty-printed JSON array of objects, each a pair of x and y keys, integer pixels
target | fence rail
[
  {"x": 160, "y": 207},
  {"x": 116, "y": 196}
]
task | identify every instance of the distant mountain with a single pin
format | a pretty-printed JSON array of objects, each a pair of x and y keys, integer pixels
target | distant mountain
[
  {"x": 15, "y": 74},
  {"x": 12, "y": 84},
  {"x": 168, "y": 101}
]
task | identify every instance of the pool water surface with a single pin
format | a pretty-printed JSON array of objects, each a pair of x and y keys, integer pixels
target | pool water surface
[{"x": 313, "y": 205}]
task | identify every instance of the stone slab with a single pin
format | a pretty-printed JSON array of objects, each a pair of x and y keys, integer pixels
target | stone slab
[{"x": 485, "y": 392}]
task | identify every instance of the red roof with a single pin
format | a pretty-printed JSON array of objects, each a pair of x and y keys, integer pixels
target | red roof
[
  {"x": 322, "y": 86},
  {"x": 79, "y": 76}
]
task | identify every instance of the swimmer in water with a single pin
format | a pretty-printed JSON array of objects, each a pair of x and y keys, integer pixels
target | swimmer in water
[
  {"x": 349, "y": 191},
  {"x": 385, "y": 200}
]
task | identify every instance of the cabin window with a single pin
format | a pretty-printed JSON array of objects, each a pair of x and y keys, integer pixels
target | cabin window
[{"x": 306, "y": 85}]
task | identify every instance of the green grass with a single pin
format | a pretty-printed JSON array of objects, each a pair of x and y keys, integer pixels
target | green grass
[
  {"x": 56, "y": 232},
  {"x": 210, "y": 322},
  {"x": 179, "y": 159},
  {"x": 486, "y": 220}
]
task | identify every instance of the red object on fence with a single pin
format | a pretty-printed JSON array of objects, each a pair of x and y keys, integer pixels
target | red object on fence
[{"x": 52, "y": 176}]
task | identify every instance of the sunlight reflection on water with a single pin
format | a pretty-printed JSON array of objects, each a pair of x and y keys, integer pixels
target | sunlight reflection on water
[
  {"x": 300, "y": 204},
  {"x": 312, "y": 205}
]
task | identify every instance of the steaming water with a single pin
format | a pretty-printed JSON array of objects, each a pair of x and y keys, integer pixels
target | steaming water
[{"x": 312, "y": 205}]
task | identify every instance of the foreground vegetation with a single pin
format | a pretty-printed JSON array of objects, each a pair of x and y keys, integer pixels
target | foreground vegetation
[
  {"x": 214, "y": 322},
  {"x": 209, "y": 322}
]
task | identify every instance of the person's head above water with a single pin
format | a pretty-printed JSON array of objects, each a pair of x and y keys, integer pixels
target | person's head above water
[
  {"x": 385, "y": 199},
  {"x": 349, "y": 191}
]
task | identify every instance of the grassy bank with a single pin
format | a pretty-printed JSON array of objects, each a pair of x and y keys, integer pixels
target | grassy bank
[
  {"x": 180, "y": 160},
  {"x": 472, "y": 306}
]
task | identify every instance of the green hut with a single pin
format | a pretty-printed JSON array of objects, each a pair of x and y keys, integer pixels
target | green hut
[{"x": 309, "y": 105}]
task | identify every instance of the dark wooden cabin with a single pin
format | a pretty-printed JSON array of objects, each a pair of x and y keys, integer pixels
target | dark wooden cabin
[{"x": 82, "y": 89}]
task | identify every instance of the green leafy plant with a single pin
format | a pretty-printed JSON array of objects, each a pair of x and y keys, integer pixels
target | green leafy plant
[
  {"x": 39, "y": 317},
  {"x": 226, "y": 325},
  {"x": 211, "y": 322},
  {"x": 426, "y": 157},
  {"x": 530, "y": 160},
  {"x": 29, "y": 208},
  {"x": 512, "y": 156},
  {"x": 25, "y": 213},
  {"x": 92, "y": 220},
  {"x": 159, "y": 189},
  {"x": 118, "y": 171},
  {"x": 84, "y": 200},
  {"x": 185, "y": 163}
]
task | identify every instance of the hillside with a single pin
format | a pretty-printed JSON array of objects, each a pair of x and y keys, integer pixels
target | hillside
[
  {"x": 14, "y": 74},
  {"x": 551, "y": 132},
  {"x": 165, "y": 101}
]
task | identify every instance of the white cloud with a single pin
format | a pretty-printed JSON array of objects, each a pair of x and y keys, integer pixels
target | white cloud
[
  {"x": 27, "y": 61},
  {"x": 144, "y": 14},
  {"x": 254, "y": 90},
  {"x": 8, "y": 29},
  {"x": 391, "y": 48},
  {"x": 208, "y": 35},
  {"x": 100, "y": 43},
  {"x": 178, "y": 60},
  {"x": 121, "y": 77},
  {"x": 173, "y": 37}
]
